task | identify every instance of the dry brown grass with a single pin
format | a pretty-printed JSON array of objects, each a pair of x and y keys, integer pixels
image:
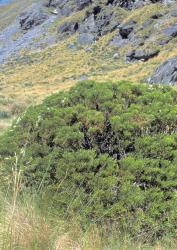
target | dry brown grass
[
  {"x": 58, "y": 67},
  {"x": 4, "y": 124},
  {"x": 28, "y": 230},
  {"x": 25, "y": 227}
]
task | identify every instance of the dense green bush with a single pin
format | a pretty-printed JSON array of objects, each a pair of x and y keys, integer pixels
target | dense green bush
[{"x": 106, "y": 152}]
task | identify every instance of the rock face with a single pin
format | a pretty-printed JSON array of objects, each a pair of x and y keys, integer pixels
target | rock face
[
  {"x": 67, "y": 6},
  {"x": 127, "y": 4},
  {"x": 96, "y": 23},
  {"x": 28, "y": 20},
  {"x": 127, "y": 34},
  {"x": 104, "y": 17},
  {"x": 130, "y": 4},
  {"x": 99, "y": 22},
  {"x": 166, "y": 73},
  {"x": 68, "y": 28}
]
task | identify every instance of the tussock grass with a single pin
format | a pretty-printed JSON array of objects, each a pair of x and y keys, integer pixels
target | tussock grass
[
  {"x": 26, "y": 225},
  {"x": 24, "y": 228}
]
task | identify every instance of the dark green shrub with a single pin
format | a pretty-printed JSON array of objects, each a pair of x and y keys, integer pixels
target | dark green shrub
[{"x": 106, "y": 152}]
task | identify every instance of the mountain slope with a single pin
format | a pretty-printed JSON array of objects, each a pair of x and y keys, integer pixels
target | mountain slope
[
  {"x": 93, "y": 167},
  {"x": 41, "y": 58}
]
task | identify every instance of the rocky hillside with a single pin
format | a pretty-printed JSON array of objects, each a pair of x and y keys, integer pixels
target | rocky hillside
[{"x": 49, "y": 45}]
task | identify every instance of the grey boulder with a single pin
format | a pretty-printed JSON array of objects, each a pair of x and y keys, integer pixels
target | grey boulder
[
  {"x": 141, "y": 55},
  {"x": 118, "y": 42},
  {"x": 166, "y": 73},
  {"x": 85, "y": 39},
  {"x": 171, "y": 31}
]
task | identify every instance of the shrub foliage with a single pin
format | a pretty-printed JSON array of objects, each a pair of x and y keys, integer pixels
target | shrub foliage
[{"x": 104, "y": 151}]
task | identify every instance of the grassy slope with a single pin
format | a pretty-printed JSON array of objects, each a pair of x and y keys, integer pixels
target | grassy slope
[
  {"x": 25, "y": 225},
  {"x": 9, "y": 106},
  {"x": 36, "y": 74},
  {"x": 10, "y": 11}
]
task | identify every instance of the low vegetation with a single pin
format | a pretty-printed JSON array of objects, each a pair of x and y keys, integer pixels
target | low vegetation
[{"x": 103, "y": 154}]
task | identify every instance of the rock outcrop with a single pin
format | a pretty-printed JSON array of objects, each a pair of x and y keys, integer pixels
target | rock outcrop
[
  {"x": 97, "y": 22},
  {"x": 166, "y": 73},
  {"x": 141, "y": 55},
  {"x": 68, "y": 28},
  {"x": 130, "y": 4},
  {"x": 30, "y": 19},
  {"x": 126, "y": 29}
]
